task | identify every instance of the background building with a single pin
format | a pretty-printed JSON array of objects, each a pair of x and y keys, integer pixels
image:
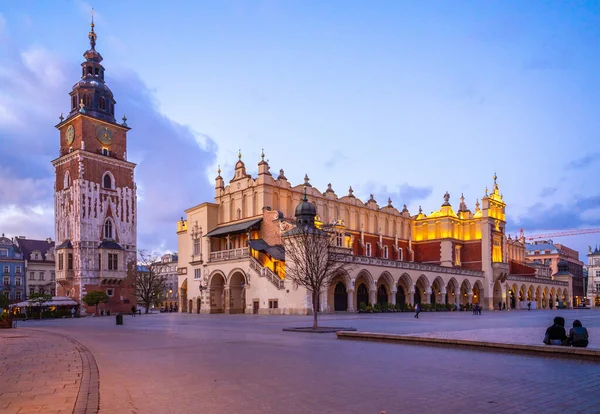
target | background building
[
  {"x": 12, "y": 266},
  {"x": 548, "y": 253},
  {"x": 593, "y": 268},
  {"x": 95, "y": 193},
  {"x": 168, "y": 269},
  {"x": 39, "y": 265}
]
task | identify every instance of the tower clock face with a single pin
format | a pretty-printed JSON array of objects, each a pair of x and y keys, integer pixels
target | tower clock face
[
  {"x": 104, "y": 135},
  {"x": 70, "y": 134}
]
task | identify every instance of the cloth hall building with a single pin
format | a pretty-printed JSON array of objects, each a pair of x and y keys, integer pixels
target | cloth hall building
[{"x": 232, "y": 259}]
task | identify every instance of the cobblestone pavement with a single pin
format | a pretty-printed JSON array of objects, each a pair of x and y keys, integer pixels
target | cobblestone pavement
[
  {"x": 39, "y": 372},
  {"x": 244, "y": 363}
]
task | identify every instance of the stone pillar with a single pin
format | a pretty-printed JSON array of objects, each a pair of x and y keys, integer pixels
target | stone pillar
[
  {"x": 393, "y": 297},
  {"x": 350, "y": 294},
  {"x": 226, "y": 299},
  {"x": 372, "y": 297},
  {"x": 457, "y": 298},
  {"x": 470, "y": 298},
  {"x": 427, "y": 295},
  {"x": 443, "y": 296},
  {"x": 411, "y": 297}
]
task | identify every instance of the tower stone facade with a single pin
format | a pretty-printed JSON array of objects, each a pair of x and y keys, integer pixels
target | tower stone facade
[{"x": 95, "y": 194}]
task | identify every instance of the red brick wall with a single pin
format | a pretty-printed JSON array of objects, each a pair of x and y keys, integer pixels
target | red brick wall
[
  {"x": 85, "y": 130},
  {"x": 270, "y": 230},
  {"x": 427, "y": 252},
  {"x": 471, "y": 255},
  {"x": 94, "y": 170}
]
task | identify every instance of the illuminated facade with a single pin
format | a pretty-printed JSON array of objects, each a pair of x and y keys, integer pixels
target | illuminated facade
[
  {"x": 232, "y": 259},
  {"x": 593, "y": 268}
]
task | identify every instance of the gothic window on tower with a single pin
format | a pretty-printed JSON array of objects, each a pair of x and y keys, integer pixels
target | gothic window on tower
[
  {"x": 60, "y": 265},
  {"x": 108, "y": 229},
  {"x": 70, "y": 261},
  {"x": 67, "y": 181},
  {"x": 74, "y": 102},
  {"x": 107, "y": 181}
]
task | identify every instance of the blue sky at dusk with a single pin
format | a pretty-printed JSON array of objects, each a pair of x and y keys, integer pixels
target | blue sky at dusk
[{"x": 400, "y": 99}]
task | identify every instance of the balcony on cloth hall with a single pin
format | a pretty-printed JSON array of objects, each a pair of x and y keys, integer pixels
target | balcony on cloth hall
[
  {"x": 270, "y": 257},
  {"x": 231, "y": 241}
]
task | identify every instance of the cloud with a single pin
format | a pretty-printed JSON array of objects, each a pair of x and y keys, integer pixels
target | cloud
[
  {"x": 548, "y": 191},
  {"x": 172, "y": 161},
  {"x": 584, "y": 161},
  {"x": 335, "y": 160},
  {"x": 402, "y": 194},
  {"x": 581, "y": 213}
]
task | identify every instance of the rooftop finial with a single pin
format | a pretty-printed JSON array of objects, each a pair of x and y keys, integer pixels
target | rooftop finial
[
  {"x": 240, "y": 154},
  {"x": 262, "y": 154},
  {"x": 219, "y": 169},
  {"x": 124, "y": 120},
  {"x": 305, "y": 199},
  {"x": 495, "y": 178},
  {"x": 92, "y": 35},
  {"x": 61, "y": 117}
]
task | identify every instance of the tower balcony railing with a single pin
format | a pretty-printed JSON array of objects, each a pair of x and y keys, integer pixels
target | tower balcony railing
[{"x": 229, "y": 254}]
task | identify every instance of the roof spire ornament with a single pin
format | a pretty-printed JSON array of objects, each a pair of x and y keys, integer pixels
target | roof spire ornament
[
  {"x": 446, "y": 199},
  {"x": 124, "y": 120},
  {"x": 61, "y": 117},
  {"x": 420, "y": 210},
  {"x": 219, "y": 169},
  {"x": 262, "y": 154},
  {"x": 92, "y": 35},
  {"x": 305, "y": 198},
  {"x": 306, "y": 181},
  {"x": 240, "y": 154},
  {"x": 350, "y": 192}
]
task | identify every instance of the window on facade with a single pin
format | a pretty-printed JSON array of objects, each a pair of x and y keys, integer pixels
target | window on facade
[
  {"x": 368, "y": 249},
  {"x": 18, "y": 296},
  {"x": 273, "y": 303},
  {"x": 597, "y": 287},
  {"x": 70, "y": 261},
  {"x": 36, "y": 256},
  {"x": 18, "y": 281},
  {"x": 3, "y": 252},
  {"x": 6, "y": 269},
  {"x": 31, "y": 290},
  {"x": 385, "y": 252},
  {"x": 89, "y": 70},
  {"x": 197, "y": 273},
  {"x": 597, "y": 273},
  {"x": 6, "y": 280},
  {"x": 73, "y": 102},
  {"x": 105, "y": 152},
  {"x": 113, "y": 263},
  {"x": 196, "y": 247},
  {"x": 31, "y": 275},
  {"x": 53, "y": 292},
  {"x": 18, "y": 270},
  {"x": 110, "y": 292},
  {"x": 339, "y": 240},
  {"x": 497, "y": 251},
  {"x": 457, "y": 255},
  {"x": 108, "y": 229},
  {"x": 400, "y": 254},
  {"x": 60, "y": 265},
  {"x": 41, "y": 275},
  {"x": 107, "y": 181},
  {"x": 52, "y": 276}
]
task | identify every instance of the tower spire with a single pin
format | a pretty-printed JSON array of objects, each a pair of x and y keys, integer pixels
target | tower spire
[{"x": 92, "y": 35}]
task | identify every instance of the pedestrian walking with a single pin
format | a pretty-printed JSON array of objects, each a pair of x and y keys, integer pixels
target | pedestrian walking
[
  {"x": 475, "y": 309},
  {"x": 417, "y": 310},
  {"x": 500, "y": 305},
  {"x": 503, "y": 305},
  {"x": 72, "y": 312},
  {"x": 529, "y": 306},
  {"x": 133, "y": 311}
]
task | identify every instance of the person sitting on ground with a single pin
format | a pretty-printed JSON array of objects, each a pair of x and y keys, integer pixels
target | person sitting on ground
[
  {"x": 556, "y": 334},
  {"x": 578, "y": 335}
]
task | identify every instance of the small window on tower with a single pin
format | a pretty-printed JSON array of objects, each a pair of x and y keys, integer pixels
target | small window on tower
[
  {"x": 97, "y": 71},
  {"x": 102, "y": 103},
  {"x": 107, "y": 181},
  {"x": 108, "y": 229},
  {"x": 67, "y": 181},
  {"x": 89, "y": 70},
  {"x": 74, "y": 102}
]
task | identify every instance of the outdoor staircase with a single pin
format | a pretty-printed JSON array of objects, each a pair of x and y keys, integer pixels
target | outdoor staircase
[{"x": 264, "y": 272}]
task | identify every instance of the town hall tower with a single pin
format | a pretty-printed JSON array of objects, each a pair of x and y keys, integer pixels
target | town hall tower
[{"x": 94, "y": 193}]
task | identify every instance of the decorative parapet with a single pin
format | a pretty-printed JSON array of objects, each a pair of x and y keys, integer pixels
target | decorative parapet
[
  {"x": 414, "y": 266},
  {"x": 537, "y": 280}
]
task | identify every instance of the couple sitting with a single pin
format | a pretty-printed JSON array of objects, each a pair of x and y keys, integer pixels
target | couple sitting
[{"x": 556, "y": 334}]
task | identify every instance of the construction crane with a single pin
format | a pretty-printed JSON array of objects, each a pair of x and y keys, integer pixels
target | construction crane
[{"x": 572, "y": 232}]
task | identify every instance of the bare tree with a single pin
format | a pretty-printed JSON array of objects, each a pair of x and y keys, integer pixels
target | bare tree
[
  {"x": 313, "y": 261},
  {"x": 147, "y": 278}
]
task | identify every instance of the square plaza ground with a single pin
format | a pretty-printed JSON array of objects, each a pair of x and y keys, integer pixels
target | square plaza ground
[{"x": 246, "y": 363}]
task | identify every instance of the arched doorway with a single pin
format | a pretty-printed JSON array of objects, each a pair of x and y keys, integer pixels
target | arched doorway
[
  {"x": 362, "y": 295},
  {"x": 340, "y": 298},
  {"x": 400, "y": 296},
  {"x": 216, "y": 294},
  {"x": 237, "y": 282},
  {"x": 477, "y": 293},
  {"x": 190, "y": 305},
  {"x": 382, "y": 295},
  {"x": 198, "y": 305},
  {"x": 183, "y": 296}
]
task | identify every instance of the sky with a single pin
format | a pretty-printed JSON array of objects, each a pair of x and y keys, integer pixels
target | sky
[{"x": 398, "y": 99}]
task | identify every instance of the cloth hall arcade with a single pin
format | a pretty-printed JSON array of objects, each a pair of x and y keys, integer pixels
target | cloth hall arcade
[{"x": 232, "y": 259}]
